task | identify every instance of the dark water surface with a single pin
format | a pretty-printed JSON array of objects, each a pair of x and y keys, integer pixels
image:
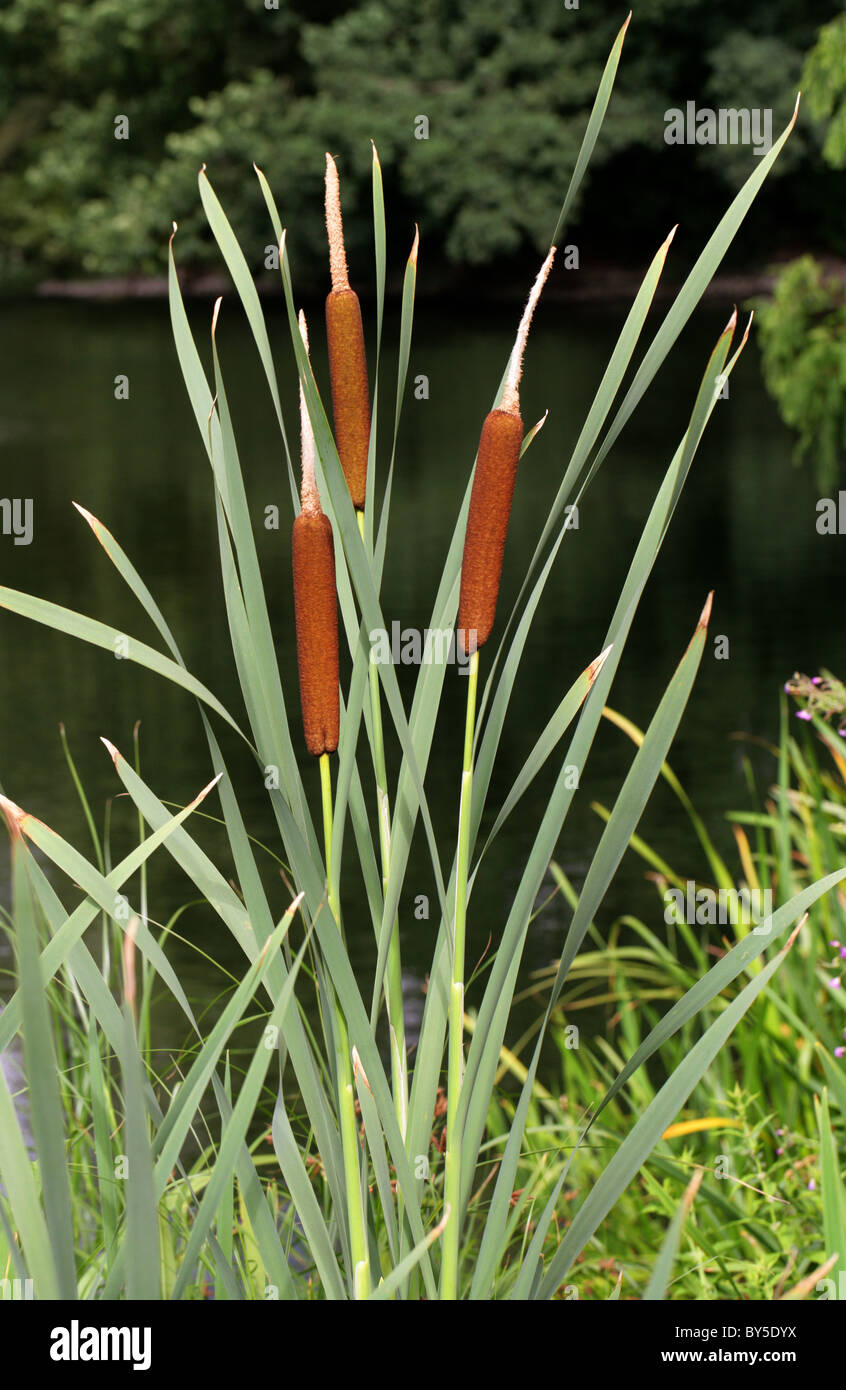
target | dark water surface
[{"x": 744, "y": 527}]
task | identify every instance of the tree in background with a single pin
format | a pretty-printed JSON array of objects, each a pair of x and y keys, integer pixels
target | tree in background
[
  {"x": 803, "y": 328},
  {"x": 477, "y": 110},
  {"x": 73, "y": 184},
  {"x": 803, "y": 337}
]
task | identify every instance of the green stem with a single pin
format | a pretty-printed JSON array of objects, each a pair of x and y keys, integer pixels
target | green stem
[
  {"x": 393, "y": 977},
  {"x": 346, "y": 1096},
  {"x": 455, "y": 1056}
]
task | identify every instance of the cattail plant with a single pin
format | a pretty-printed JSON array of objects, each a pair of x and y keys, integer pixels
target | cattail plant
[
  {"x": 316, "y": 617},
  {"x": 481, "y": 569},
  {"x": 351, "y": 409},
  {"x": 493, "y": 489},
  {"x": 347, "y": 362},
  {"x": 315, "y": 602},
  {"x": 338, "y": 1204}
]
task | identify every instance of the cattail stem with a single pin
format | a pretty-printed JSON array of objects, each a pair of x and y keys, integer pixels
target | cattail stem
[
  {"x": 393, "y": 980},
  {"x": 346, "y": 1094},
  {"x": 455, "y": 1056}
]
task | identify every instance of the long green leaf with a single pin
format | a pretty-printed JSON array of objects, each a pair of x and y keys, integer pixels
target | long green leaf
[
  {"x": 111, "y": 640},
  {"x": 143, "y": 1264},
  {"x": 45, "y": 1102}
]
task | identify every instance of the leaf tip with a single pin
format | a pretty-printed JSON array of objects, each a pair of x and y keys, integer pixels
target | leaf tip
[
  {"x": 129, "y": 984},
  {"x": 535, "y": 430},
  {"x": 358, "y": 1070},
  {"x": 201, "y": 796},
  {"x": 597, "y": 664},
  {"x": 692, "y": 1189},
  {"x": 793, "y": 935},
  {"x": 442, "y": 1224},
  {"x": 705, "y": 615},
  {"x": 111, "y": 750},
  {"x": 13, "y": 816}
]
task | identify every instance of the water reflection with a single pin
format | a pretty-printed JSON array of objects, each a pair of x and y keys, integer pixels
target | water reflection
[{"x": 744, "y": 527}]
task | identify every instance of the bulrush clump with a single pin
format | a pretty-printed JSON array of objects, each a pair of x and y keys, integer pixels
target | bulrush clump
[
  {"x": 315, "y": 602},
  {"x": 493, "y": 489},
  {"x": 347, "y": 362}
]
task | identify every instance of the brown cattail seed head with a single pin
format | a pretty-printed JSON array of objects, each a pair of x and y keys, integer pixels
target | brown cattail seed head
[
  {"x": 487, "y": 524},
  {"x": 350, "y": 394},
  {"x": 316, "y": 615},
  {"x": 347, "y": 361},
  {"x": 493, "y": 489}
]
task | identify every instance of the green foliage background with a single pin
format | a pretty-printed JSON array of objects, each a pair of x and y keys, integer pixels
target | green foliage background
[
  {"x": 803, "y": 326},
  {"x": 506, "y": 88}
]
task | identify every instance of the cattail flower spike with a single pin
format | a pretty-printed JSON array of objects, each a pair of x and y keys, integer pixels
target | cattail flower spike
[
  {"x": 309, "y": 496},
  {"x": 510, "y": 392},
  {"x": 335, "y": 228},
  {"x": 347, "y": 361},
  {"x": 315, "y": 602},
  {"x": 493, "y": 489}
]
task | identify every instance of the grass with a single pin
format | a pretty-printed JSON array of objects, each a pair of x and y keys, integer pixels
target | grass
[
  {"x": 172, "y": 1194},
  {"x": 753, "y": 1230}
]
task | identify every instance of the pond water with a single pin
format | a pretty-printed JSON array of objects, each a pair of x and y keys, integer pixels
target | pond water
[{"x": 745, "y": 527}]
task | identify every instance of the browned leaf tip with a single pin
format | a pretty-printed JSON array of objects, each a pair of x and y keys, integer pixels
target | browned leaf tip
[
  {"x": 111, "y": 750},
  {"x": 13, "y": 816},
  {"x": 597, "y": 664}
]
